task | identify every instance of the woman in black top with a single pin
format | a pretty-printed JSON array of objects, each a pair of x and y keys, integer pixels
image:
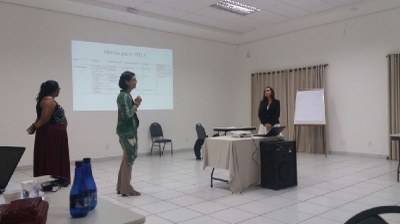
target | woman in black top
[
  {"x": 51, "y": 151},
  {"x": 268, "y": 111}
]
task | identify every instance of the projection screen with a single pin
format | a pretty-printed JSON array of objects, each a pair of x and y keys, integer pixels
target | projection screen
[{"x": 96, "y": 68}]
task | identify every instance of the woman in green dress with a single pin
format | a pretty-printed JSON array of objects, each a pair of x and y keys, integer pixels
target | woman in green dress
[{"x": 127, "y": 132}]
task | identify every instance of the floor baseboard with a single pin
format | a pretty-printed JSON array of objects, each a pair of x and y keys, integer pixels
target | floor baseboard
[{"x": 24, "y": 167}]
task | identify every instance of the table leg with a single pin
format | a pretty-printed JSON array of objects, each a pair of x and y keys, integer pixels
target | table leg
[
  {"x": 213, "y": 178},
  {"x": 212, "y": 172},
  {"x": 396, "y": 137},
  {"x": 398, "y": 171}
]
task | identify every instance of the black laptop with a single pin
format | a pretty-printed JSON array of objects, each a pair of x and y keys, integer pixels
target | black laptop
[
  {"x": 275, "y": 131},
  {"x": 9, "y": 159}
]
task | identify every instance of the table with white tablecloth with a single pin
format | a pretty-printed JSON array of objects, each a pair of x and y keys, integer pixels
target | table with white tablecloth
[
  {"x": 105, "y": 211},
  {"x": 240, "y": 156}
]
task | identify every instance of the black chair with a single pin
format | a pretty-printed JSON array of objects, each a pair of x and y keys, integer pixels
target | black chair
[
  {"x": 371, "y": 216},
  {"x": 157, "y": 138},
  {"x": 201, "y": 136}
]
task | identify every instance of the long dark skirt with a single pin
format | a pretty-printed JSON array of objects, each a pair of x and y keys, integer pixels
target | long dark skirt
[{"x": 51, "y": 152}]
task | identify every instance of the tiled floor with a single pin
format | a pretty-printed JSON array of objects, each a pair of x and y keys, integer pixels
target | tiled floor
[{"x": 176, "y": 189}]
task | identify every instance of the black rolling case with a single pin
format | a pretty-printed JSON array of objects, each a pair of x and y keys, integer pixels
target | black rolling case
[{"x": 278, "y": 164}]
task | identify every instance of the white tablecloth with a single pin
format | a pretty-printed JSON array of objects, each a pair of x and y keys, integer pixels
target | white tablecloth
[
  {"x": 105, "y": 211},
  {"x": 241, "y": 156}
]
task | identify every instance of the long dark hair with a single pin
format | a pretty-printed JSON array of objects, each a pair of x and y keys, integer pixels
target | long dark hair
[
  {"x": 47, "y": 88},
  {"x": 125, "y": 76},
  {"x": 272, "y": 94}
]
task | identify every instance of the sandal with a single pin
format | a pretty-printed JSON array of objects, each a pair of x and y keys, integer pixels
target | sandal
[{"x": 134, "y": 193}]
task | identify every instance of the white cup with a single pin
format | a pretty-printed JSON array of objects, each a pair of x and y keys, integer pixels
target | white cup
[
  {"x": 11, "y": 195},
  {"x": 30, "y": 189}
]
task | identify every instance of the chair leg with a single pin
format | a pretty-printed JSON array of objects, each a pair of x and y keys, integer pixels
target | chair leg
[
  {"x": 163, "y": 148},
  {"x": 159, "y": 147},
  {"x": 172, "y": 151},
  {"x": 151, "y": 148}
]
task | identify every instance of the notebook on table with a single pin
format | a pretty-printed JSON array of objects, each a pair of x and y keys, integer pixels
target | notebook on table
[
  {"x": 9, "y": 159},
  {"x": 275, "y": 131}
]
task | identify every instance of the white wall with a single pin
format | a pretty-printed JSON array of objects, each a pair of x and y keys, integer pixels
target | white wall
[
  {"x": 211, "y": 80},
  {"x": 357, "y": 80},
  {"x": 35, "y": 45}
]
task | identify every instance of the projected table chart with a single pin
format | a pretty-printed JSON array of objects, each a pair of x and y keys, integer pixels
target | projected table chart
[
  {"x": 240, "y": 156},
  {"x": 96, "y": 68},
  {"x": 396, "y": 137},
  {"x": 227, "y": 129}
]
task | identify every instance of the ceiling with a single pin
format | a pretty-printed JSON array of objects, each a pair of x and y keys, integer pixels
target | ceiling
[{"x": 196, "y": 19}]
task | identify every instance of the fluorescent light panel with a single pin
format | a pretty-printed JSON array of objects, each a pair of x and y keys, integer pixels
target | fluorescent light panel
[{"x": 235, "y": 7}]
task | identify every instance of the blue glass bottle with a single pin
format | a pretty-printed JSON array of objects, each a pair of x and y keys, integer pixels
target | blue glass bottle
[
  {"x": 91, "y": 185},
  {"x": 79, "y": 195}
]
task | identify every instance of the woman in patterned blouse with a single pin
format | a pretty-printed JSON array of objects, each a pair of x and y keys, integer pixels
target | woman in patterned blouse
[{"x": 127, "y": 132}]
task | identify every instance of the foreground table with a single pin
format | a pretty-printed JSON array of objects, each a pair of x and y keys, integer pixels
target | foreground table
[
  {"x": 241, "y": 156},
  {"x": 105, "y": 211}
]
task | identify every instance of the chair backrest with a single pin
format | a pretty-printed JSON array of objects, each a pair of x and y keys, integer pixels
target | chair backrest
[
  {"x": 371, "y": 216},
  {"x": 156, "y": 130},
  {"x": 201, "y": 133}
]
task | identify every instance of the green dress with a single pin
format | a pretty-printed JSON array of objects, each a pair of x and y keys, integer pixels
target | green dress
[{"x": 127, "y": 126}]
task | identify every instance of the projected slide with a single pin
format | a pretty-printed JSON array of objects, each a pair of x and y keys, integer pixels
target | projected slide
[{"x": 96, "y": 69}]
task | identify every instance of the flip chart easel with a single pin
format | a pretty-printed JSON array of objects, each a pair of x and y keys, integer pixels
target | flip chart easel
[{"x": 310, "y": 110}]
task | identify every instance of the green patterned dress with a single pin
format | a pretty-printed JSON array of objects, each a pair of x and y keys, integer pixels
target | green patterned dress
[{"x": 127, "y": 126}]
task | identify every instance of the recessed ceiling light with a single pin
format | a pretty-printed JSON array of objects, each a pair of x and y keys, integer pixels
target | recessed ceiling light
[{"x": 235, "y": 7}]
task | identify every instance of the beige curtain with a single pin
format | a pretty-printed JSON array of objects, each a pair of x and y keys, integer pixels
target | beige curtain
[
  {"x": 394, "y": 102},
  {"x": 277, "y": 80},
  {"x": 286, "y": 83}
]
